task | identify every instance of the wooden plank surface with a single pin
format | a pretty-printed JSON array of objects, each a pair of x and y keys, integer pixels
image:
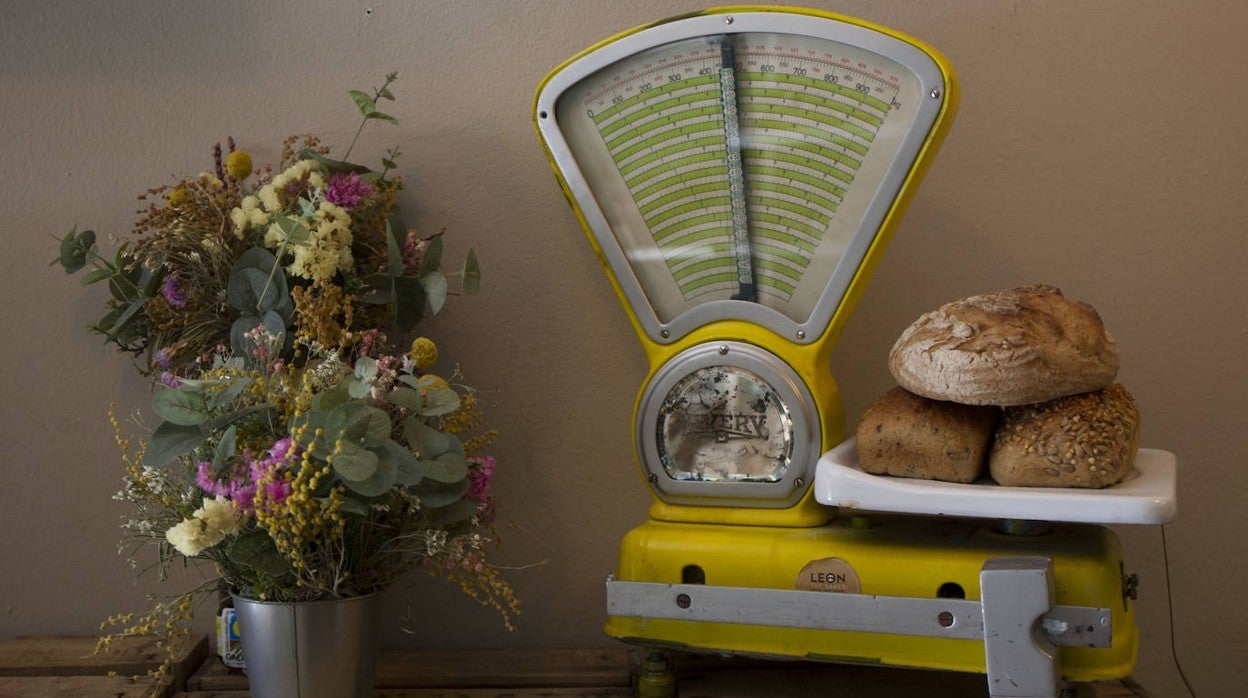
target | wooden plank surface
[
  {"x": 530, "y": 692},
  {"x": 610, "y": 673},
  {"x": 40, "y": 666},
  {"x": 511, "y": 668},
  {"x": 78, "y": 687}
]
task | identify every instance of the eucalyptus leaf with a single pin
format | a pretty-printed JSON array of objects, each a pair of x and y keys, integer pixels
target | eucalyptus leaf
[
  {"x": 293, "y": 230},
  {"x": 357, "y": 388},
  {"x": 222, "y": 421},
  {"x": 439, "y": 494},
  {"x": 124, "y": 318},
  {"x": 351, "y": 505},
  {"x": 408, "y": 470},
  {"x": 428, "y": 443},
  {"x": 357, "y": 423},
  {"x": 453, "y": 513},
  {"x": 432, "y": 259},
  {"x": 378, "y": 289},
  {"x": 409, "y": 302},
  {"x": 365, "y": 368},
  {"x": 170, "y": 441},
  {"x": 448, "y": 467},
  {"x": 383, "y": 477},
  {"x": 440, "y": 401},
  {"x": 406, "y": 398},
  {"x": 181, "y": 408},
  {"x": 149, "y": 281},
  {"x": 252, "y": 290},
  {"x": 231, "y": 392},
  {"x": 225, "y": 449},
  {"x": 257, "y": 550},
  {"x": 354, "y": 463},
  {"x": 472, "y": 273},
  {"x": 327, "y": 400},
  {"x": 393, "y": 250},
  {"x": 436, "y": 289}
]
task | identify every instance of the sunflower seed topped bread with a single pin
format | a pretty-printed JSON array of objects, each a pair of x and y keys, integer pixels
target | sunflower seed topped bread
[
  {"x": 1005, "y": 348},
  {"x": 1086, "y": 440},
  {"x": 908, "y": 435}
]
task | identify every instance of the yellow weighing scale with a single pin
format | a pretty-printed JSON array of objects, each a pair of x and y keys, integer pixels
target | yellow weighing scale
[{"x": 739, "y": 171}]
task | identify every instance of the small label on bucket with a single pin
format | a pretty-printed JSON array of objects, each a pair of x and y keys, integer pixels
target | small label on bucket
[{"x": 229, "y": 643}]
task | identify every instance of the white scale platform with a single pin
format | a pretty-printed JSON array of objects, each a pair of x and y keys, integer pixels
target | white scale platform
[{"x": 1146, "y": 496}]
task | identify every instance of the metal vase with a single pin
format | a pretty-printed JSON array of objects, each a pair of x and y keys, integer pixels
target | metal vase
[{"x": 309, "y": 649}]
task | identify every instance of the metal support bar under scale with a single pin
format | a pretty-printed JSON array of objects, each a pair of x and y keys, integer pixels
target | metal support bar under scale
[{"x": 1016, "y": 617}]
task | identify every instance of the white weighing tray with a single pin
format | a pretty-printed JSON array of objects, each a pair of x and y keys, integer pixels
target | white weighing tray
[{"x": 1145, "y": 496}]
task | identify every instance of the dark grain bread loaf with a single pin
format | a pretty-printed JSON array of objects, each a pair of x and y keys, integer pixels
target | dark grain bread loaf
[
  {"x": 1086, "y": 440},
  {"x": 1012, "y": 347},
  {"x": 908, "y": 435}
]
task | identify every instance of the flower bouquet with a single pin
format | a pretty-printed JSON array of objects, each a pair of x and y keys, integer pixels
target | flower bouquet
[{"x": 306, "y": 447}]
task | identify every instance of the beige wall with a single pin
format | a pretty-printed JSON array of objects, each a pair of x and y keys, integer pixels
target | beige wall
[{"x": 1100, "y": 147}]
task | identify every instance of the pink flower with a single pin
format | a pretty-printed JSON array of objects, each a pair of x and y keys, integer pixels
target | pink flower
[
  {"x": 347, "y": 190},
  {"x": 480, "y": 476},
  {"x": 241, "y": 485}
]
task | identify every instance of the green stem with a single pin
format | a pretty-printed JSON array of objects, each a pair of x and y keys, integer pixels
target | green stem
[{"x": 376, "y": 93}]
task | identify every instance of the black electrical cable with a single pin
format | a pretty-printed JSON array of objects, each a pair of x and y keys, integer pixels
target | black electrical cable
[{"x": 1165, "y": 557}]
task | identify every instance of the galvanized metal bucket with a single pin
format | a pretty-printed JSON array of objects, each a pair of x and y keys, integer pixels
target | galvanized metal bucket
[{"x": 309, "y": 649}]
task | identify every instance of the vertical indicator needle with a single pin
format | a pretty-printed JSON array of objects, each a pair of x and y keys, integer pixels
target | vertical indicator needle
[{"x": 746, "y": 289}]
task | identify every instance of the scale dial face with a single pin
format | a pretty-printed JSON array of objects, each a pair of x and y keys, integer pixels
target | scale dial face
[
  {"x": 724, "y": 424},
  {"x": 728, "y": 422},
  {"x": 739, "y": 166}
]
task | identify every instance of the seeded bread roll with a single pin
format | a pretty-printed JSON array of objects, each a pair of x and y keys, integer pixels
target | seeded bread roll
[
  {"x": 1005, "y": 348},
  {"x": 908, "y": 435},
  {"x": 1087, "y": 440}
]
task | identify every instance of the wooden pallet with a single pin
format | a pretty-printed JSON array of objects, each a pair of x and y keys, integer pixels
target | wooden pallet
[
  {"x": 42, "y": 667},
  {"x": 612, "y": 673}
]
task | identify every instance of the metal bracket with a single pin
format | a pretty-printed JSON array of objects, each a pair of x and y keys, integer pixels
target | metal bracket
[
  {"x": 1016, "y": 618},
  {"x": 1022, "y": 661}
]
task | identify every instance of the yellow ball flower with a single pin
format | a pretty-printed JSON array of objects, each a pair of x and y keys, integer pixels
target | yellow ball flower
[
  {"x": 432, "y": 382},
  {"x": 176, "y": 196},
  {"x": 424, "y": 352},
  {"x": 238, "y": 164}
]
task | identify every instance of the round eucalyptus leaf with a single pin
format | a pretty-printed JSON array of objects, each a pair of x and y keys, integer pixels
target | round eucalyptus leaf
[
  {"x": 354, "y": 463},
  {"x": 181, "y": 408},
  {"x": 440, "y": 401}
]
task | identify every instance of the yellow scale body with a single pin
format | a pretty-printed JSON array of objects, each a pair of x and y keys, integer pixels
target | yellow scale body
[{"x": 891, "y": 555}]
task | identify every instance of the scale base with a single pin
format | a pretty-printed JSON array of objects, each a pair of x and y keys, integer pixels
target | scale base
[{"x": 923, "y": 560}]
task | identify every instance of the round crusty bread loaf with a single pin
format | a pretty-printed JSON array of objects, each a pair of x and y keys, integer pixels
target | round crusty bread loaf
[
  {"x": 908, "y": 435},
  {"x": 1087, "y": 440},
  {"x": 1012, "y": 347}
]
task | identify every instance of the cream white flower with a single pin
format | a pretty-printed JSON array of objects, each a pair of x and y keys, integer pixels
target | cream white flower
[
  {"x": 208, "y": 525},
  {"x": 220, "y": 517},
  {"x": 187, "y": 537}
]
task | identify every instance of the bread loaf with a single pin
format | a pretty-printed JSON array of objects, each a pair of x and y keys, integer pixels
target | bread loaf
[
  {"x": 1087, "y": 440},
  {"x": 908, "y": 435},
  {"x": 1006, "y": 348}
]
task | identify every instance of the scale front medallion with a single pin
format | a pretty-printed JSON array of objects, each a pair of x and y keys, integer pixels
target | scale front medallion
[{"x": 737, "y": 170}]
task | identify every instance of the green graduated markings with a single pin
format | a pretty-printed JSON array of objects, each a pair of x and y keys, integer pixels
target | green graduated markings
[
  {"x": 807, "y": 137},
  {"x": 804, "y": 140},
  {"x": 668, "y": 143}
]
